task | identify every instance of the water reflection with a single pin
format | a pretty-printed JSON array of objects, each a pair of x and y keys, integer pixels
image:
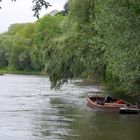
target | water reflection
[{"x": 31, "y": 111}]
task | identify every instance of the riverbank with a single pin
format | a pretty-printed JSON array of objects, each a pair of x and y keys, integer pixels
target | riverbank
[
  {"x": 116, "y": 91},
  {"x": 13, "y": 71},
  {"x": 108, "y": 88}
]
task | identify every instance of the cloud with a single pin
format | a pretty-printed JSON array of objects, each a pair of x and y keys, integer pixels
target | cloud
[{"x": 21, "y": 11}]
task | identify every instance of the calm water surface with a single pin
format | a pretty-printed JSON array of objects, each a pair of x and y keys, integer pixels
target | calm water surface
[{"x": 29, "y": 110}]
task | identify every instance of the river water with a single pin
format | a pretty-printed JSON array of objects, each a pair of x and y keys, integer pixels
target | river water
[{"x": 29, "y": 110}]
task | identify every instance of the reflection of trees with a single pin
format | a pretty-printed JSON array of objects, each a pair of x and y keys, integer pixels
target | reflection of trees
[
  {"x": 61, "y": 119},
  {"x": 90, "y": 125},
  {"x": 53, "y": 121},
  {"x": 78, "y": 123}
]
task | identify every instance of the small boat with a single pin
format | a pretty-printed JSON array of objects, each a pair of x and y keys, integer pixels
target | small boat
[{"x": 108, "y": 103}]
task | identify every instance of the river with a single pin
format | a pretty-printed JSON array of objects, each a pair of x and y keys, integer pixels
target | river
[{"x": 29, "y": 110}]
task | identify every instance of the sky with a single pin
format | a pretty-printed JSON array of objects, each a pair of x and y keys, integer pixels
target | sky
[{"x": 21, "y": 12}]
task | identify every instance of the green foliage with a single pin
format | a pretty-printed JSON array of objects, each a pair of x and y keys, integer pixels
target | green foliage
[
  {"x": 119, "y": 23},
  {"x": 102, "y": 39},
  {"x": 19, "y": 53},
  {"x": 99, "y": 39},
  {"x": 3, "y": 58},
  {"x": 3, "y": 52},
  {"x": 24, "y": 46},
  {"x": 65, "y": 61},
  {"x": 46, "y": 28},
  {"x": 76, "y": 53}
]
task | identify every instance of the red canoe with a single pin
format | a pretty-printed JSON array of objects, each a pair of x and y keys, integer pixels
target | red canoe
[{"x": 107, "y": 103}]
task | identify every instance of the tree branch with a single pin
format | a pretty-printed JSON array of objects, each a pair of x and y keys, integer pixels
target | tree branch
[{"x": 37, "y": 7}]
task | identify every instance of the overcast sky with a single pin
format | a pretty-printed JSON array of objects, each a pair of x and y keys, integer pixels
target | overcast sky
[{"x": 21, "y": 11}]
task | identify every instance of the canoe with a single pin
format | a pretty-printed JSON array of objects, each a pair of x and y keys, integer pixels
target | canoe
[{"x": 108, "y": 103}]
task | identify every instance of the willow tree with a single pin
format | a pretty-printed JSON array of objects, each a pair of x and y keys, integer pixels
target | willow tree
[
  {"x": 118, "y": 23},
  {"x": 75, "y": 52},
  {"x": 102, "y": 39}
]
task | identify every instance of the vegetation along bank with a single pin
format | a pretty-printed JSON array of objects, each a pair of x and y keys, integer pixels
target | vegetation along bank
[{"x": 92, "y": 38}]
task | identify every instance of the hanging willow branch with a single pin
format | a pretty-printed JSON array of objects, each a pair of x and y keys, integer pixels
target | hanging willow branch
[{"x": 37, "y": 7}]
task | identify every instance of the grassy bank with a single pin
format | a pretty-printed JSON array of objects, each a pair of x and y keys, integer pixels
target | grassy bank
[{"x": 13, "y": 71}]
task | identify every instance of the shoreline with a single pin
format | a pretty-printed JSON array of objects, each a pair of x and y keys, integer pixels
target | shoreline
[
  {"x": 9, "y": 71},
  {"x": 107, "y": 89}
]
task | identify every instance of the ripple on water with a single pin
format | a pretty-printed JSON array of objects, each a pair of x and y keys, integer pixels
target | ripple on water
[{"x": 29, "y": 110}]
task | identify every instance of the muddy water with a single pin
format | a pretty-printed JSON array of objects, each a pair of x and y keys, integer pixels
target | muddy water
[{"x": 29, "y": 110}]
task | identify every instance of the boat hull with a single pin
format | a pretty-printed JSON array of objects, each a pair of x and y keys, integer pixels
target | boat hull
[{"x": 92, "y": 103}]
